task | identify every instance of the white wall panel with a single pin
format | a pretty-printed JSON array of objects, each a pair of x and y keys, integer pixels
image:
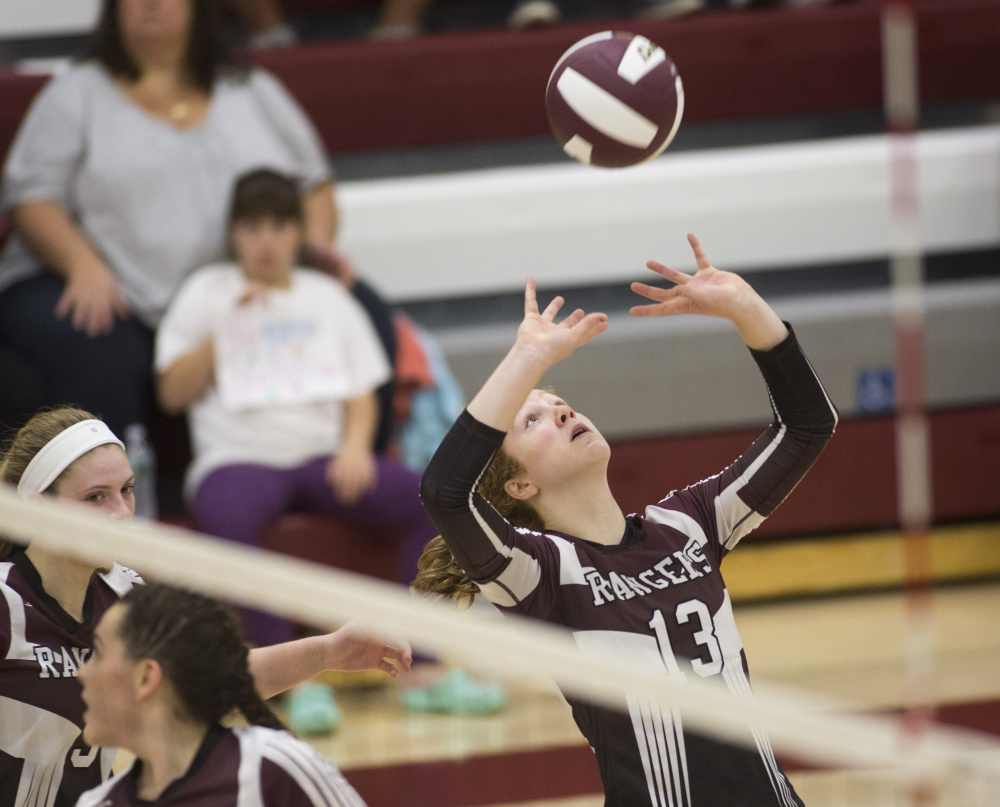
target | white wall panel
[
  {"x": 24, "y": 18},
  {"x": 759, "y": 207}
]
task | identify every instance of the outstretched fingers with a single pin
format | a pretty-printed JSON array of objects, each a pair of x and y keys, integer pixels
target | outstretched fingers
[
  {"x": 531, "y": 303},
  {"x": 573, "y": 318},
  {"x": 553, "y": 308},
  {"x": 673, "y": 275},
  {"x": 588, "y": 326},
  {"x": 530, "y": 297},
  {"x": 699, "y": 253},
  {"x": 666, "y": 301}
]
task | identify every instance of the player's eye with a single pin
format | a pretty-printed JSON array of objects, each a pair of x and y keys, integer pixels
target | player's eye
[
  {"x": 95, "y": 498},
  {"x": 530, "y": 419},
  {"x": 128, "y": 489}
]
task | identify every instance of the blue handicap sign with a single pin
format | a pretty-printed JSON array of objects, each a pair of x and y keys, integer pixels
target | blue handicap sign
[{"x": 876, "y": 391}]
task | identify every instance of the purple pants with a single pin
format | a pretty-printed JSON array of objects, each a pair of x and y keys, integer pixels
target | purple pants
[{"x": 236, "y": 501}]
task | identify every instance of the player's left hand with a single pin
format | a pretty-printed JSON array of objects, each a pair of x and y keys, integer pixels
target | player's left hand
[
  {"x": 351, "y": 473},
  {"x": 709, "y": 291},
  {"x": 351, "y": 649}
]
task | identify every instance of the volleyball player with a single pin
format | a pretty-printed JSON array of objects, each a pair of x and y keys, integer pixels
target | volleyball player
[
  {"x": 167, "y": 666},
  {"x": 520, "y": 494},
  {"x": 49, "y": 606}
]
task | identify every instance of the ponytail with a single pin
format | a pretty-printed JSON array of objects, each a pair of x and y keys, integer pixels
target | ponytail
[
  {"x": 440, "y": 577},
  {"x": 199, "y": 645},
  {"x": 438, "y": 574},
  {"x": 252, "y": 706}
]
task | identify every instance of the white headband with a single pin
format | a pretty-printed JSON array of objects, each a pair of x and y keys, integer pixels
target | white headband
[{"x": 61, "y": 451}]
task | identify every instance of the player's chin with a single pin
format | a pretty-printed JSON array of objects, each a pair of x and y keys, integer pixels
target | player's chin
[
  {"x": 91, "y": 733},
  {"x": 596, "y": 446}
]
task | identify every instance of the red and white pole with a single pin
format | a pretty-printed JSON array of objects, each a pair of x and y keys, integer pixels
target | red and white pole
[{"x": 900, "y": 73}]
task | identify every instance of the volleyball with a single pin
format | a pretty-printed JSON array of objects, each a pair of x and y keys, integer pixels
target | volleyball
[{"x": 614, "y": 100}]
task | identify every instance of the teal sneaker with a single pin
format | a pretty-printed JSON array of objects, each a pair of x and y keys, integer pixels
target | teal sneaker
[
  {"x": 312, "y": 711},
  {"x": 455, "y": 694}
]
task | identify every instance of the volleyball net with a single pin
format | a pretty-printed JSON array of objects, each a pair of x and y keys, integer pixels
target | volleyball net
[{"x": 815, "y": 729}]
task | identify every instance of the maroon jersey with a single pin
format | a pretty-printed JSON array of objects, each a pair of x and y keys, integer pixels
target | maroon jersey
[
  {"x": 249, "y": 767},
  {"x": 44, "y": 761},
  {"x": 657, "y": 599}
]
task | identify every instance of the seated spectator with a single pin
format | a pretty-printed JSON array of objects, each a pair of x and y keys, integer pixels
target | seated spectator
[
  {"x": 276, "y": 367},
  {"x": 403, "y": 18},
  {"x": 117, "y": 186}
]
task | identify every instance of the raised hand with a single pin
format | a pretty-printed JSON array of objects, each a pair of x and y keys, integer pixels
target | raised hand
[
  {"x": 711, "y": 292},
  {"x": 540, "y": 343},
  {"x": 553, "y": 340}
]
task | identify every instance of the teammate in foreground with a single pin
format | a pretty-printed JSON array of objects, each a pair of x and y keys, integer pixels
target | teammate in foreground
[
  {"x": 167, "y": 666},
  {"x": 519, "y": 491},
  {"x": 49, "y": 606}
]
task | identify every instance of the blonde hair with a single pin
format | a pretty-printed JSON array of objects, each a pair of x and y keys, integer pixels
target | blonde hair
[
  {"x": 438, "y": 574},
  {"x": 29, "y": 440}
]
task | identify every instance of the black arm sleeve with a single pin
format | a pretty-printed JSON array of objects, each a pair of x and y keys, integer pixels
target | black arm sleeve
[
  {"x": 474, "y": 532},
  {"x": 805, "y": 419}
]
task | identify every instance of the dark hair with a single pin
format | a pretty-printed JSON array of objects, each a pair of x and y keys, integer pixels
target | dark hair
[
  {"x": 264, "y": 192},
  {"x": 31, "y": 438},
  {"x": 199, "y": 645},
  {"x": 438, "y": 574},
  {"x": 209, "y": 54}
]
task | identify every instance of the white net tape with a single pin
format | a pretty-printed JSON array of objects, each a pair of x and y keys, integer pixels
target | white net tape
[{"x": 813, "y": 729}]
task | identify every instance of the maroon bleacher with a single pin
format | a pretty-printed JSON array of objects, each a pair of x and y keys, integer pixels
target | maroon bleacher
[
  {"x": 852, "y": 487},
  {"x": 853, "y": 484},
  {"x": 483, "y": 85}
]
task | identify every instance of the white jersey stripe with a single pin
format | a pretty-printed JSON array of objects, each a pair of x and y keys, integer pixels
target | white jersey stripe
[
  {"x": 739, "y": 685},
  {"x": 635, "y": 712},
  {"x": 826, "y": 395},
  {"x": 734, "y": 518},
  {"x": 682, "y": 752},
  {"x": 20, "y": 648},
  {"x": 767, "y": 768},
  {"x": 96, "y": 795},
  {"x": 778, "y": 781},
  {"x": 654, "y": 739},
  {"x": 660, "y": 737},
  {"x": 40, "y": 738},
  {"x": 679, "y": 764},
  {"x": 675, "y": 746},
  {"x": 310, "y": 770},
  {"x": 495, "y": 540},
  {"x": 523, "y": 574},
  {"x": 306, "y": 777},
  {"x": 772, "y": 764},
  {"x": 681, "y": 522},
  {"x": 303, "y": 777}
]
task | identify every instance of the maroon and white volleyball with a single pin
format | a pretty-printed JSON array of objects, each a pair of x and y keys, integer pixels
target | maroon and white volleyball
[{"x": 614, "y": 100}]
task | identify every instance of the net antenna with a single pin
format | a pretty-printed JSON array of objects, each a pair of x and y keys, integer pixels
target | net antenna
[{"x": 901, "y": 106}]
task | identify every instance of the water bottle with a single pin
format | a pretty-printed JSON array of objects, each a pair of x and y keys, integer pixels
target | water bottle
[{"x": 143, "y": 462}]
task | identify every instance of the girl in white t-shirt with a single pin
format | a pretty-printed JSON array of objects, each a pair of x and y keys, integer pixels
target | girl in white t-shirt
[{"x": 276, "y": 367}]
